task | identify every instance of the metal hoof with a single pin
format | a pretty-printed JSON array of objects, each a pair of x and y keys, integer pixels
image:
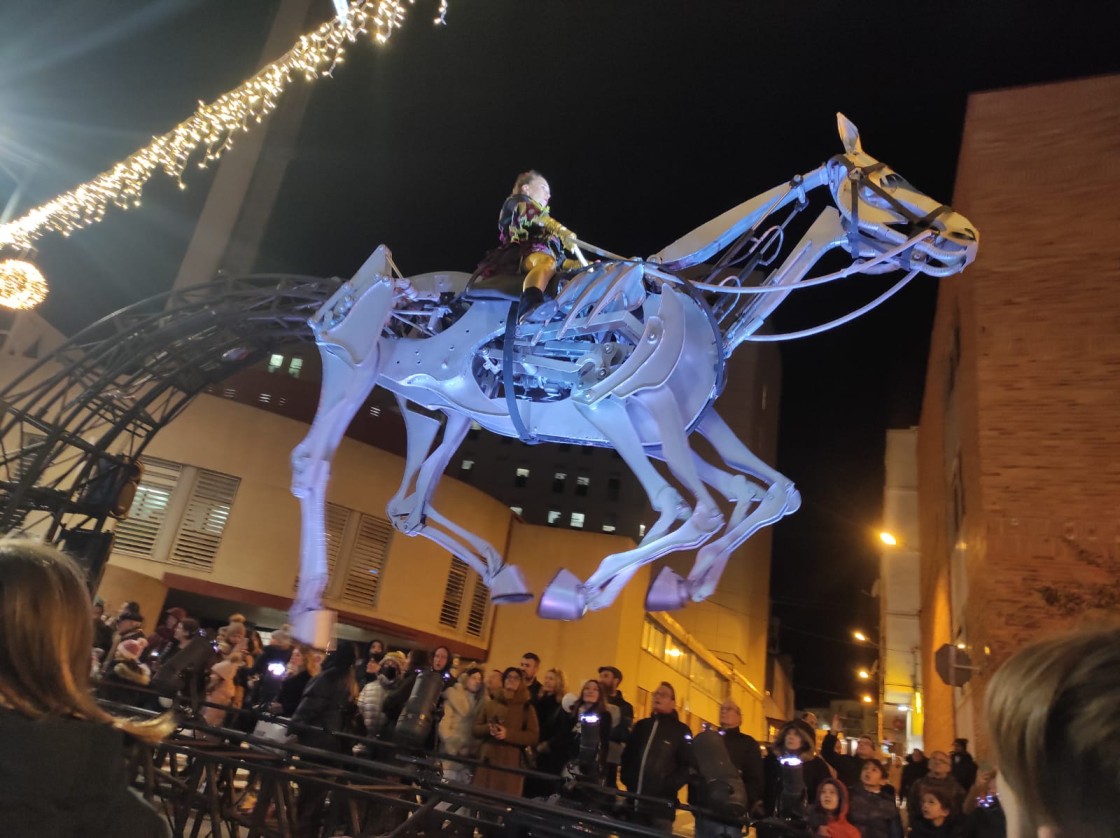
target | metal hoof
[
  {"x": 669, "y": 592},
  {"x": 315, "y": 628},
  {"x": 563, "y": 599},
  {"x": 508, "y": 586}
]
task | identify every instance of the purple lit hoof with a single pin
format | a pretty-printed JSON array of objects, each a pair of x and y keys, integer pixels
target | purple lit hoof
[
  {"x": 563, "y": 599},
  {"x": 508, "y": 586},
  {"x": 669, "y": 592}
]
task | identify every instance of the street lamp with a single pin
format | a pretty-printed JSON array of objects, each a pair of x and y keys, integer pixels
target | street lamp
[
  {"x": 879, "y": 677},
  {"x": 888, "y": 539}
]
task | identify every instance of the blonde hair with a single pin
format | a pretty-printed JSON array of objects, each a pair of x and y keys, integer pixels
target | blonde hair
[
  {"x": 561, "y": 681},
  {"x": 1052, "y": 713},
  {"x": 46, "y": 635}
]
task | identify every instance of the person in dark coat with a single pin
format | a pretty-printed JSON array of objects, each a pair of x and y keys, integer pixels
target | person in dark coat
[
  {"x": 938, "y": 820},
  {"x": 610, "y": 679},
  {"x": 871, "y": 807},
  {"x": 983, "y": 812},
  {"x": 938, "y": 779},
  {"x": 746, "y": 756},
  {"x": 567, "y": 748},
  {"x": 963, "y": 766},
  {"x": 793, "y": 769},
  {"x": 302, "y": 667},
  {"x": 657, "y": 761},
  {"x": 325, "y": 700},
  {"x": 62, "y": 757},
  {"x": 917, "y": 766},
  {"x": 397, "y": 698}
]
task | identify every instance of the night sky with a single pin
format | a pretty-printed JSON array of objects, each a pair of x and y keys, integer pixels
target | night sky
[{"x": 648, "y": 118}]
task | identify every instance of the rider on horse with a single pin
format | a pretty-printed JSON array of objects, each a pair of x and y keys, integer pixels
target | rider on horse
[{"x": 532, "y": 242}]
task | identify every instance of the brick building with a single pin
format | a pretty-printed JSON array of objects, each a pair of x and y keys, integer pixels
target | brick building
[{"x": 1019, "y": 446}]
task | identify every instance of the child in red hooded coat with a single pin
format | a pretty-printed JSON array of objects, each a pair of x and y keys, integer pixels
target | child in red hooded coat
[{"x": 829, "y": 814}]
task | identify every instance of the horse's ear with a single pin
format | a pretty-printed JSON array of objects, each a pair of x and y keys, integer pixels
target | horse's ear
[{"x": 849, "y": 134}]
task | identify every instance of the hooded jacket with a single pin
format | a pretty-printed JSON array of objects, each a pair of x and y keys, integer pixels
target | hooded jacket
[
  {"x": 517, "y": 715},
  {"x": 65, "y": 777},
  {"x": 838, "y": 825},
  {"x": 814, "y": 770},
  {"x": 456, "y": 728},
  {"x": 371, "y": 701}
]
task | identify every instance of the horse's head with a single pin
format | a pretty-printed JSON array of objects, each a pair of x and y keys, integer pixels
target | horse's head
[{"x": 882, "y": 210}]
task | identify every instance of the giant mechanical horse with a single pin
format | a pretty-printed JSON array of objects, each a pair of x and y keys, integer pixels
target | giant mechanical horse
[{"x": 631, "y": 355}]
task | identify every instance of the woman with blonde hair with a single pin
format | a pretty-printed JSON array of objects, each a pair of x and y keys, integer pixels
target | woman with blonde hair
[
  {"x": 62, "y": 759},
  {"x": 1052, "y": 713}
]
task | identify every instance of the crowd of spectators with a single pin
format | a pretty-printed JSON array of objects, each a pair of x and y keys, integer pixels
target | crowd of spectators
[{"x": 510, "y": 731}]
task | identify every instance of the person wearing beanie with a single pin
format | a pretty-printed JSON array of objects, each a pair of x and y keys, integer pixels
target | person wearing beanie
[{"x": 127, "y": 671}]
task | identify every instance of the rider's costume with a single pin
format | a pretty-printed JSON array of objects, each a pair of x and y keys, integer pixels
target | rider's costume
[{"x": 524, "y": 227}]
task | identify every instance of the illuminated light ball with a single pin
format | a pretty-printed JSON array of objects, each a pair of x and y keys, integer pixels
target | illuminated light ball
[{"x": 22, "y": 285}]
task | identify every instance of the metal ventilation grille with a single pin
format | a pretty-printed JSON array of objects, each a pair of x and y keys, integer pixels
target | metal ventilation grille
[
  {"x": 204, "y": 520},
  {"x": 454, "y": 592},
  {"x": 137, "y": 534},
  {"x": 480, "y": 606},
  {"x": 367, "y": 561}
]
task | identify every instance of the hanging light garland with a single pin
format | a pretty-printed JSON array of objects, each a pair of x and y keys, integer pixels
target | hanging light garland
[{"x": 210, "y": 131}]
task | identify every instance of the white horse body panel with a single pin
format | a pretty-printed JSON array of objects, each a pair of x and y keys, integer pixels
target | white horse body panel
[{"x": 632, "y": 358}]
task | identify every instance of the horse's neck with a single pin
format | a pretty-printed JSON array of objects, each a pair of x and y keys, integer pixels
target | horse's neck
[{"x": 708, "y": 239}]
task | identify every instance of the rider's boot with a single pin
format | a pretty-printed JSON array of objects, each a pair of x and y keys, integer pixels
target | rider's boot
[{"x": 541, "y": 268}]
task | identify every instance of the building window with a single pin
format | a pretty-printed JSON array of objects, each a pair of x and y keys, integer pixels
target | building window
[
  {"x": 516, "y": 510},
  {"x": 609, "y": 523},
  {"x": 453, "y": 593},
  {"x": 374, "y": 411},
  {"x": 474, "y": 431},
  {"x": 179, "y": 514},
  {"x": 466, "y": 465},
  {"x": 614, "y": 485},
  {"x": 521, "y": 478},
  {"x": 577, "y": 520},
  {"x": 295, "y": 367},
  {"x": 582, "y": 483},
  {"x": 275, "y": 362},
  {"x": 367, "y": 561},
  {"x": 553, "y": 517},
  {"x": 558, "y": 480},
  {"x": 641, "y": 530}
]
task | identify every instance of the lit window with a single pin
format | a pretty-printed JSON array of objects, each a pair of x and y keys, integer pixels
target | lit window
[
  {"x": 614, "y": 485},
  {"x": 521, "y": 478},
  {"x": 641, "y": 530},
  {"x": 275, "y": 362},
  {"x": 553, "y": 517},
  {"x": 582, "y": 482},
  {"x": 558, "y": 480},
  {"x": 608, "y": 523},
  {"x": 474, "y": 431},
  {"x": 294, "y": 367},
  {"x": 577, "y": 520},
  {"x": 466, "y": 465},
  {"x": 516, "y": 510},
  {"x": 264, "y": 398},
  {"x": 374, "y": 411}
]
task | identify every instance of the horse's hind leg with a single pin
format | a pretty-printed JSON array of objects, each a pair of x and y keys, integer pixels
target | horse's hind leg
[
  {"x": 566, "y": 598},
  {"x": 780, "y": 499}
]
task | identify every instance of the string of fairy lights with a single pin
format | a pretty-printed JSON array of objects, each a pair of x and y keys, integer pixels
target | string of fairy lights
[{"x": 202, "y": 138}]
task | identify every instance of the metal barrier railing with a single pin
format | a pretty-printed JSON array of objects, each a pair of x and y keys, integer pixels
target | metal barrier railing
[{"x": 218, "y": 781}]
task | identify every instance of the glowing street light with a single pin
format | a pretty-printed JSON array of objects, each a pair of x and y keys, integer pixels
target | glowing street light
[
  {"x": 864, "y": 674},
  {"x": 867, "y": 699},
  {"x": 888, "y": 539},
  {"x": 860, "y": 636}
]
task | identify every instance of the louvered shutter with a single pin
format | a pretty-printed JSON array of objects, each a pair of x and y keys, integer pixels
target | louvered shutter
[
  {"x": 480, "y": 604},
  {"x": 204, "y": 521},
  {"x": 137, "y": 534},
  {"x": 454, "y": 592},
  {"x": 336, "y": 519},
  {"x": 367, "y": 561}
]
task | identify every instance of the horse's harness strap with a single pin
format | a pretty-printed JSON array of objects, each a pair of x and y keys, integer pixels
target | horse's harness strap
[
  {"x": 507, "y": 378},
  {"x": 916, "y": 223}
]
